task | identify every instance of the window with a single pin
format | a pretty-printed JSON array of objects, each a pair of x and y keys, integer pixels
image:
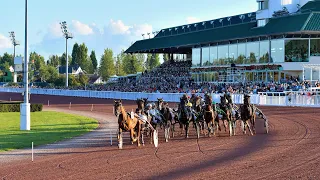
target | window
[
  {"x": 205, "y": 56},
  {"x": 262, "y": 22},
  {"x": 223, "y": 54},
  {"x": 252, "y": 52},
  {"x": 296, "y": 50},
  {"x": 286, "y": 2},
  {"x": 264, "y": 52},
  {"x": 315, "y": 47},
  {"x": 262, "y": 5},
  {"x": 213, "y": 55},
  {"x": 277, "y": 51},
  {"x": 196, "y": 61},
  {"x": 233, "y": 52},
  {"x": 241, "y": 53}
]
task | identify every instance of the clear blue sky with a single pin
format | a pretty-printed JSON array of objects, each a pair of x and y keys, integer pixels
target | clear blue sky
[{"x": 104, "y": 24}]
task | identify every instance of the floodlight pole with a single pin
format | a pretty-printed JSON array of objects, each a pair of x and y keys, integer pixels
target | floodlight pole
[
  {"x": 14, "y": 43},
  {"x": 67, "y": 64},
  {"x": 66, "y": 35},
  {"x": 25, "y": 106}
]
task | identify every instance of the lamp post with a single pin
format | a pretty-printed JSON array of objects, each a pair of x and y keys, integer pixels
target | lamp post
[
  {"x": 66, "y": 35},
  {"x": 25, "y": 106},
  {"x": 14, "y": 43}
]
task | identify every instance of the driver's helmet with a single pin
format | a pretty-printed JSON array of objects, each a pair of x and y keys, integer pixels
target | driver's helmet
[
  {"x": 149, "y": 106},
  {"x": 153, "y": 105}
]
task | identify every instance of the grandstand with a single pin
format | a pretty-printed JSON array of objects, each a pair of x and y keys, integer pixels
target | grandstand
[{"x": 269, "y": 45}]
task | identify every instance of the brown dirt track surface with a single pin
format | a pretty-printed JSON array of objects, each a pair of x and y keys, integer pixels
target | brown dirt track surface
[{"x": 290, "y": 151}]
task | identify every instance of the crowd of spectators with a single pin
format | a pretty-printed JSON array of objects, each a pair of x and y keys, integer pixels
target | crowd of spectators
[{"x": 175, "y": 77}]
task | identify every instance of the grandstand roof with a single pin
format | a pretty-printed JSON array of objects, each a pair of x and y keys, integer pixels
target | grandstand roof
[{"x": 182, "y": 41}]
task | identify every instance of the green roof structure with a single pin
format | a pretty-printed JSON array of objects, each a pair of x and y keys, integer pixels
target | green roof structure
[{"x": 305, "y": 21}]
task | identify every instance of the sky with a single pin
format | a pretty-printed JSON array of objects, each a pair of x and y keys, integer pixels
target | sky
[{"x": 102, "y": 24}]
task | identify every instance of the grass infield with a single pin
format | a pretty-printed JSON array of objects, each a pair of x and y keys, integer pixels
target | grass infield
[{"x": 46, "y": 128}]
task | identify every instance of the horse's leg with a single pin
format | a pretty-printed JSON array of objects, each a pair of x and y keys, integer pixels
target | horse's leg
[
  {"x": 242, "y": 126},
  {"x": 120, "y": 139},
  {"x": 187, "y": 130},
  {"x": 172, "y": 130},
  {"x": 139, "y": 132},
  {"x": 253, "y": 123},
  {"x": 249, "y": 128},
  {"x": 230, "y": 127},
  {"x": 181, "y": 129},
  {"x": 142, "y": 134}
]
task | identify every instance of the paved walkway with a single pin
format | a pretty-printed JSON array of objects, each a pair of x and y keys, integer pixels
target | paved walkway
[{"x": 99, "y": 137}]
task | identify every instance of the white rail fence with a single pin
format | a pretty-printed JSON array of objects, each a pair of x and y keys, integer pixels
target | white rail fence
[{"x": 267, "y": 99}]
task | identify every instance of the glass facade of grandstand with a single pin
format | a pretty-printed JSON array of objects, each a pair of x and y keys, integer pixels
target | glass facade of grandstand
[{"x": 256, "y": 52}]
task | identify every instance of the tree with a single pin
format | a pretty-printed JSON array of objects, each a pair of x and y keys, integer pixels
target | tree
[
  {"x": 166, "y": 57},
  {"x": 94, "y": 61},
  {"x": 148, "y": 62},
  {"x": 119, "y": 65},
  {"x": 54, "y": 61},
  {"x": 37, "y": 60},
  {"x": 54, "y": 74},
  {"x": 107, "y": 68},
  {"x": 7, "y": 58},
  {"x": 83, "y": 57},
  {"x": 62, "y": 59},
  {"x": 75, "y": 54},
  {"x": 83, "y": 79},
  {"x": 252, "y": 58},
  {"x": 89, "y": 66},
  {"x": 139, "y": 66}
]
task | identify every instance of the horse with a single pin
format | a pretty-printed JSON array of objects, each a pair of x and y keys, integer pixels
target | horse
[
  {"x": 211, "y": 117},
  {"x": 126, "y": 123},
  {"x": 169, "y": 120},
  {"x": 160, "y": 103},
  {"x": 140, "y": 103},
  {"x": 186, "y": 116},
  {"x": 227, "y": 115},
  {"x": 248, "y": 113}
]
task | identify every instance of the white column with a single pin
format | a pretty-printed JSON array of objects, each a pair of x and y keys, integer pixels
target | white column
[{"x": 25, "y": 106}]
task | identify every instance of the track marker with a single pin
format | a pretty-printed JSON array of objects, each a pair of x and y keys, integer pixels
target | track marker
[
  {"x": 70, "y": 106},
  {"x": 32, "y": 151},
  {"x": 48, "y": 103},
  {"x": 10, "y": 99}
]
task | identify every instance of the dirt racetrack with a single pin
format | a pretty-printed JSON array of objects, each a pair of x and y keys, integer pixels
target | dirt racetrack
[{"x": 290, "y": 151}]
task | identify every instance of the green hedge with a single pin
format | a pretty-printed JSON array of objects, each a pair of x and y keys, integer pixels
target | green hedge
[{"x": 15, "y": 107}]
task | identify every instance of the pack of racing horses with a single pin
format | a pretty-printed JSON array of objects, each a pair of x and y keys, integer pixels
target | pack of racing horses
[{"x": 204, "y": 114}]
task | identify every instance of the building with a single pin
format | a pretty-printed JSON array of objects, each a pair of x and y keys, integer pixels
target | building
[
  {"x": 270, "y": 44},
  {"x": 75, "y": 70},
  {"x": 95, "y": 79}
]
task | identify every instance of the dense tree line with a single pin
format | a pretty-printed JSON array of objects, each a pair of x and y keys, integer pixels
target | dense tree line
[{"x": 46, "y": 71}]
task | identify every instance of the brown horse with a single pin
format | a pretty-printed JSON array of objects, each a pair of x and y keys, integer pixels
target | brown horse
[
  {"x": 211, "y": 117},
  {"x": 248, "y": 113},
  {"x": 126, "y": 123}
]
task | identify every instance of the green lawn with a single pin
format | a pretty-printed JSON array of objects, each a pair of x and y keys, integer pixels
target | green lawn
[{"x": 46, "y": 127}]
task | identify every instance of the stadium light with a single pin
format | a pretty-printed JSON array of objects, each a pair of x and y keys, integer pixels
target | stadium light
[
  {"x": 212, "y": 22},
  {"x": 142, "y": 35},
  {"x": 14, "y": 43},
  {"x": 229, "y": 19},
  {"x": 25, "y": 106},
  {"x": 149, "y": 35},
  {"x": 221, "y": 21},
  {"x": 242, "y": 17},
  {"x": 154, "y": 34},
  {"x": 66, "y": 35}
]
